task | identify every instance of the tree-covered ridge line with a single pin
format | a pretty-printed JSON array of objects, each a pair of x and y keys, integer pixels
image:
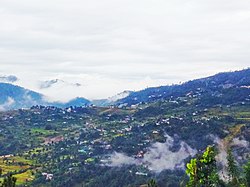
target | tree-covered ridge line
[{"x": 222, "y": 88}]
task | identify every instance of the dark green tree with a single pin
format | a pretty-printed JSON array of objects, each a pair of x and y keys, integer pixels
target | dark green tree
[
  {"x": 152, "y": 183},
  {"x": 247, "y": 173},
  {"x": 232, "y": 168},
  {"x": 9, "y": 181}
]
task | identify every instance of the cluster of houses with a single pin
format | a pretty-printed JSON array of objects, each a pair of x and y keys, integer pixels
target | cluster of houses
[{"x": 48, "y": 176}]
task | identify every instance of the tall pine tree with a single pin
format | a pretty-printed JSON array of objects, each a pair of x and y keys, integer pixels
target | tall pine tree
[{"x": 232, "y": 169}]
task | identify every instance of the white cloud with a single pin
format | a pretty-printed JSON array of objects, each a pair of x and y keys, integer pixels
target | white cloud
[
  {"x": 158, "y": 157},
  {"x": 8, "y": 103},
  {"x": 117, "y": 45},
  {"x": 223, "y": 146}
]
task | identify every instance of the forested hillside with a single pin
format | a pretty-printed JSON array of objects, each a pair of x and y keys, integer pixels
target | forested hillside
[
  {"x": 128, "y": 146},
  {"x": 223, "y": 88}
]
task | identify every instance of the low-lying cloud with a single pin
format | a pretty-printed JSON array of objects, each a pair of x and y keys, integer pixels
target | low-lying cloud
[
  {"x": 223, "y": 146},
  {"x": 119, "y": 159},
  {"x": 158, "y": 156},
  {"x": 7, "y": 104},
  {"x": 240, "y": 142}
]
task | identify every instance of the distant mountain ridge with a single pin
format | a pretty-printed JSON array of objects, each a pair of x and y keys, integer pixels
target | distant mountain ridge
[
  {"x": 111, "y": 100},
  {"x": 15, "y": 97},
  {"x": 12, "y": 97},
  {"x": 78, "y": 101},
  {"x": 222, "y": 88},
  {"x": 235, "y": 83}
]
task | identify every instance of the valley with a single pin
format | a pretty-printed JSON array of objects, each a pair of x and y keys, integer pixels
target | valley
[
  {"x": 92, "y": 146},
  {"x": 128, "y": 143}
]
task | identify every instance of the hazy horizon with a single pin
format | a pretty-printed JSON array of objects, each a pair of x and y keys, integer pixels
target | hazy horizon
[
  {"x": 98, "y": 49},
  {"x": 3, "y": 78}
]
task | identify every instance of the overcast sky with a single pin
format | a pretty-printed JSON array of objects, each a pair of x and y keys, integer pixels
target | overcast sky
[{"x": 108, "y": 46}]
